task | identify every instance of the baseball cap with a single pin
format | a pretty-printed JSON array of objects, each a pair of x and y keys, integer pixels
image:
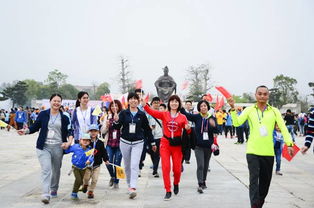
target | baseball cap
[
  {"x": 85, "y": 136},
  {"x": 93, "y": 127}
]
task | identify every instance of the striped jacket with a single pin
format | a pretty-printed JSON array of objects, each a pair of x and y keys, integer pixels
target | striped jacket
[{"x": 310, "y": 129}]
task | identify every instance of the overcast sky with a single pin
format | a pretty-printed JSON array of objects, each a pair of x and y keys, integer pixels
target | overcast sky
[{"x": 248, "y": 42}]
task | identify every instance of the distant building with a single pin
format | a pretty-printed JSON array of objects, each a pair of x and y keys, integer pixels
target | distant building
[{"x": 294, "y": 107}]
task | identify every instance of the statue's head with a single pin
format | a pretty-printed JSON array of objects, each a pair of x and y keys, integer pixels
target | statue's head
[{"x": 166, "y": 70}]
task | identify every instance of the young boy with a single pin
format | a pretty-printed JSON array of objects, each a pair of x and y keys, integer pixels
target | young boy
[
  {"x": 278, "y": 142},
  {"x": 82, "y": 156},
  {"x": 100, "y": 154}
]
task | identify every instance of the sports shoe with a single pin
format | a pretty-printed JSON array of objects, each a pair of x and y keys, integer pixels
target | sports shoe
[
  {"x": 90, "y": 195},
  {"x": 132, "y": 193},
  {"x": 74, "y": 196},
  {"x": 167, "y": 196},
  {"x": 187, "y": 162},
  {"x": 279, "y": 173},
  {"x": 176, "y": 189},
  {"x": 204, "y": 186},
  {"x": 200, "y": 190},
  {"x": 84, "y": 189},
  {"x": 45, "y": 199},
  {"x": 53, "y": 194},
  {"x": 156, "y": 175},
  {"x": 115, "y": 185},
  {"x": 111, "y": 181}
]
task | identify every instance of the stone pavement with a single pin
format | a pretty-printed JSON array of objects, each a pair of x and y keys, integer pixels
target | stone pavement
[{"x": 227, "y": 181}]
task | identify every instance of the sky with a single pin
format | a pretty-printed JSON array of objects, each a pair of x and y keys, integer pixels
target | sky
[{"x": 247, "y": 42}]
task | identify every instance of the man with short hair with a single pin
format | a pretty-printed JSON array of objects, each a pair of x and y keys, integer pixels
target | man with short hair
[{"x": 260, "y": 147}]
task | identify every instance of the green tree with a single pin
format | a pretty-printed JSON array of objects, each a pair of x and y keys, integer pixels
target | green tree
[
  {"x": 56, "y": 78},
  {"x": 17, "y": 93},
  {"x": 125, "y": 81},
  {"x": 286, "y": 89},
  {"x": 68, "y": 91},
  {"x": 33, "y": 89},
  {"x": 102, "y": 89}
]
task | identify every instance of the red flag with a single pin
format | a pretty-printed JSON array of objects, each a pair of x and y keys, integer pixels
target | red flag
[
  {"x": 123, "y": 102},
  {"x": 285, "y": 153},
  {"x": 106, "y": 98},
  {"x": 222, "y": 102},
  {"x": 208, "y": 97},
  {"x": 224, "y": 92},
  {"x": 146, "y": 98},
  {"x": 217, "y": 106},
  {"x": 185, "y": 85},
  {"x": 139, "y": 84}
]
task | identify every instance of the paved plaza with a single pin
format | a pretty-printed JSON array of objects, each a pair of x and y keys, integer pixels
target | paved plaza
[{"x": 227, "y": 181}]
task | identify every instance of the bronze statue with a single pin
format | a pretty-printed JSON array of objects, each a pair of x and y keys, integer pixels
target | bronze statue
[{"x": 165, "y": 86}]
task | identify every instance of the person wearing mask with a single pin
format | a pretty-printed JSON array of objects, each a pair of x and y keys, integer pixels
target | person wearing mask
[
  {"x": 82, "y": 116},
  {"x": 135, "y": 129},
  {"x": 260, "y": 146},
  {"x": 206, "y": 133},
  {"x": 54, "y": 137},
  {"x": 170, "y": 144}
]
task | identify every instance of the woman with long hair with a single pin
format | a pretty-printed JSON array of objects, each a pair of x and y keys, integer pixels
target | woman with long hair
[
  {"x": 82, "y": 116},
  {"x": 173, "y": 123},
  {"x": 54, "y": 137}
]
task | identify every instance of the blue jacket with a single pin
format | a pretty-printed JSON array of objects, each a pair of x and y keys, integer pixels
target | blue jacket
[
  {"x": 199, "y": 120},
  {"x": 76, "y": 125},
  {"x": 142, "y": 130},
  {"x": 80, "y": 156},
  {"x": 41, "y": 124},
  {"x": 20, "y": 116},
  {"x": 278, "y": 142}
]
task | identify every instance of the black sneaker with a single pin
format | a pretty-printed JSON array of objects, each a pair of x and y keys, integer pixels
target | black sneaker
[
  {"x": 167, "y": 196},
  {"x": 111, "y": 182},
  {"x": 176, "y": 189},
  {"x": 156, "y": 175},
  {"x": 187, "y": 162},
  {"x": 204, "y": 186},
  {"x": 200, "y": 190}
]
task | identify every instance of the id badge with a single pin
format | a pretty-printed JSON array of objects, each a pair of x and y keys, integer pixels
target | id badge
[
  {"x": 263, "y": 131},
  {"x": 205, "y": 136},
  {"x": 51, "y": 133},
  {"x": 132, "y": 127},
  {"x": 114, "y": 134}
]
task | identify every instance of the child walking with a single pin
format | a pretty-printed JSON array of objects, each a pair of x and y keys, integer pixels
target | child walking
[
  {"x": 93, "y": 170},
  {"x": 278, "y": 142},
  {"x": 81, "y": 158}
]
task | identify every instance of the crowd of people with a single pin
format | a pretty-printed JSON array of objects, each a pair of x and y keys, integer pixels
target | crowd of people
[{"x": 166, "y": 131}]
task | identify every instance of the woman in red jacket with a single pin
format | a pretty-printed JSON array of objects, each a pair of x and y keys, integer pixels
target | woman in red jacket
[{"x": 173, "y": 123}]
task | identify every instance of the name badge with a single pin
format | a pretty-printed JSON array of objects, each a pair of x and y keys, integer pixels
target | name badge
[
  {"x": 132, "y": 128},
  {"x": 51, "y": 134},
  {"x": 114, "y": 134},
  {"x": 263, "y": 131},
  {"x": 205, "y": 136}
]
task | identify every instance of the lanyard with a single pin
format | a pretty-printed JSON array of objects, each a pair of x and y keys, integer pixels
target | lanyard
[
  {"x": 260, "y": 119},
  {"x": 206, "y": 127},
  {"x": 132, "y": 117},
  {"x": 84, "y": 116},
  {"x": 51, "y": 118}
]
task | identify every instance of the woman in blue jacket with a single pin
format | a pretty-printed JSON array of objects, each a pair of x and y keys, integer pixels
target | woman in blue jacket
[
  {"x": 54, "y": 137},
  {"x": 205, "y": 130}
]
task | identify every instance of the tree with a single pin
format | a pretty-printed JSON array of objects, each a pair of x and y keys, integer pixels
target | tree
[
  {"x": 199, "y": 81},
  {"x": 102, "y": 89},
  {"x": 274, "y": 97},
  {"x": 17, "y": 93},
  {"x": 33, "y": 90},
  {"x": 68, "y": 91},
  {"x": 124, "y": 76},
  {"x": 286, "y": 89},
  {"x": 245, "y": 98},
  {"x": 311, "y": 84},
  {"x": 56, "y": 78}
]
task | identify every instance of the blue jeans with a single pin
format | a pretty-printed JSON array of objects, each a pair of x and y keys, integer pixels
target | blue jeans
[
  {"x": 115, "y": 157},
  {"x": 290, "y": 129},
  {"x": 278, "y": 158}
]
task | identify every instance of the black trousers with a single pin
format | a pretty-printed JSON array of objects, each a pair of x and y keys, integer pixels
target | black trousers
[
  {"x": 240, "y": 135},
  {"x": 260, "y": 170},
  {"x": 155, "y": 156}
]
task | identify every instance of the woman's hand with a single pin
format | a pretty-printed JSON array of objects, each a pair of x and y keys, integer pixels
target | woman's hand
[
  {"x": 212, "y": 122},
  {"x": 187, "y": 126}
]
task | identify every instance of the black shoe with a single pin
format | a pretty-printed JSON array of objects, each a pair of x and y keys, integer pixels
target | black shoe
[
  {"x": 176, "y": 189},
  {"x": 167, "y": 196},
  {"x": 187, "y": 162},
  {"x": 111, "y": 181},
  {"x": 204, "y": 186},
  {"x": 200, "y": 190},
  {"x": 154, "y": 173}
]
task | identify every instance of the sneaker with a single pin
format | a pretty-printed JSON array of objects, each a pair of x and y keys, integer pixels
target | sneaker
[
  {"x": 167, "y": 196},
  {"x": 200, "y": 190},
  {"x": 176, "y": 189},
  {"x": 132, "y": 193},
  {"x": 74, "y": 196},
  {"x": 84, "y": 189},
  {"x": 90, "y": 195},
  {"x": 187, "y": 162},
  {"x": 279, "y": 173},
  {"x": 45, "y": 199},
  {"x": 111, "y": 181},
  {"x": 53, "y": 194},
  {"x": 156, "y": 175},
  {"x": 115, "y": 185},
  {"x": 204, "y": 186}
]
